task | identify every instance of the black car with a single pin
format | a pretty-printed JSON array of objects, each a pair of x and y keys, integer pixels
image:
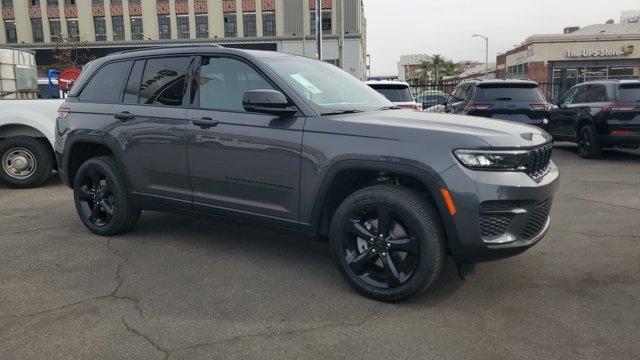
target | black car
[
  {"x": 598, "y": 114},
  {"x": 515, "y": 100},
  {"x": 299, "y": 143}
]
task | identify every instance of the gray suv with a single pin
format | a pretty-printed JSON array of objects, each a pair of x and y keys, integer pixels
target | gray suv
[{"x": 298, "y": 143}]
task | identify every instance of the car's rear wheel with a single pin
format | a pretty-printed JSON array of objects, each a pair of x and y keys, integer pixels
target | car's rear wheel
[
  {"x": 588, "y": 146},
  {"x": 27, "y": 162},
  {"x": 101, "y": 198},
  {"x": 388, "y": 242}
]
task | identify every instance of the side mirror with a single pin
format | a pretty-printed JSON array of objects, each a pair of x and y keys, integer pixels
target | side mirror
[{"x": 267, "y": 101}]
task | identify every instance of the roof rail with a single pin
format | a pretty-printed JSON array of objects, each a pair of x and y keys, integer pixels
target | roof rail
[{"x": 154, "y": 47}]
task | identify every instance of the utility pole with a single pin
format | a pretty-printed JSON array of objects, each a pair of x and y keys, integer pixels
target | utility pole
[
  {"x": 341, "y": 40},
  {"x": 486, "y": 62},
  {"x": 319, "y": 28}
]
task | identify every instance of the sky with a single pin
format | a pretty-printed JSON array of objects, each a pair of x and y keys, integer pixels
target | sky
[{"x": 445, "y": 27}]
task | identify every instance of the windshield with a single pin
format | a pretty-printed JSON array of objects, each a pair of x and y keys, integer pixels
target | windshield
[
  {"x": 327, "y": 88},
  {"x": 509, "y": 93},
  {"x": 395, "y": 93},
  {"x": 629, "y": 93}
]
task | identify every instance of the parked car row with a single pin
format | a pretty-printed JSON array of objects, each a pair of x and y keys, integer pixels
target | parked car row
[{"x": 595, "y": 115}]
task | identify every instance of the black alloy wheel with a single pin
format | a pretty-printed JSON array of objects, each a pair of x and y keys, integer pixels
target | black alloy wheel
[
  {"x": 97, "y": 202},
  {"x": 379, "y": 246},
  {"x": 588, "y": 146},
  {"x": 388, "y": 242},
  {"x": 101, "y": 198}
]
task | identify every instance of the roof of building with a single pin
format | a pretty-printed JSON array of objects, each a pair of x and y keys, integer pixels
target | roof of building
[
  {"x": 591, "y": 31},
  {"x": 475, "y": 70},
  {"x": 413, "y": 59}
]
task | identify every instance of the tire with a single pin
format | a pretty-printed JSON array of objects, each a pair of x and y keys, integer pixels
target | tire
[
  {"x": 588, "y": 147},
  {"x": 414, "y": 230},
  {"x": 101, "y": 198},
  {"x": 27, "y": 162}
]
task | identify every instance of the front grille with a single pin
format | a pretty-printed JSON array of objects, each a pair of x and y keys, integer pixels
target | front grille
[
  {"x": 537, "y": 162},
  {"x": 494, "y": 225},
  {"x": 537, "y": 220},
  {"x": 498, "y": 205}
]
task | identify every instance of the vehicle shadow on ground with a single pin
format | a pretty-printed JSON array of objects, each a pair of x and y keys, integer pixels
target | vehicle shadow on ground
[
  {"x": 615, "y": 155},
  {"x": 54, "y": 181},
  {"x": 249, "y": 240}
]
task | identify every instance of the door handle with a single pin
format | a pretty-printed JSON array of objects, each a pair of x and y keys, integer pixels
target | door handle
[
  {"x": 205, "y": 122},
  {"x": 124, "y": 116}
]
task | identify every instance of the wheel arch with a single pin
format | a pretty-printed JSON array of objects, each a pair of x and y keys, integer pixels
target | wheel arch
[
  {"x": 12, "y": 130},
  {"x": 81, "y": 148},
  {"x": 426, "y": 179}
]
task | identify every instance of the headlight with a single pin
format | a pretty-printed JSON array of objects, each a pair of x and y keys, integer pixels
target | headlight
[{"x": 497, "y": 160}]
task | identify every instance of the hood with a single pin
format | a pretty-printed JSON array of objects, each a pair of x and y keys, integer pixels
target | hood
[{"x": 495, "y": 133}]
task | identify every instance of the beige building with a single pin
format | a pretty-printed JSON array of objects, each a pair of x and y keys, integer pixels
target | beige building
[
  {"x": 104, "y": 26},
  {"x": 559, "y": 61}
]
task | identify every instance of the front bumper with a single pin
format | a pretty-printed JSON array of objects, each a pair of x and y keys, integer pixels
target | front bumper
[{"x": 499, "y": 214}]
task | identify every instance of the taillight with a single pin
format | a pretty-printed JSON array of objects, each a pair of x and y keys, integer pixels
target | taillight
[
  {"x": 63, "y": 112},
  {"x": 476, "y": 106},
  {"x": 540, "y": 107},
  {"x": 619, "y": 107},
  {"x": 621, "y": 132}
]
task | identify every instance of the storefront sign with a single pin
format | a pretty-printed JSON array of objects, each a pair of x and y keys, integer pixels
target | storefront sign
[{"x": 624, "y": 51}]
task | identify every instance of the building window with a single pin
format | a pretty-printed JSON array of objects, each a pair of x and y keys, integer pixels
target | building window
[
  {"x": 72, "y": 29},
  {"x": 136, "y": 27},
  {"x": 183, "y": 26},
  {"x": 116, "y": 2},
  {"x": 202, "y": 26},
  {"x": 36, "y": 29},
  {"x": 52, "y": 2},
  {"x": 326, "y": 22},
  {"x": 69, "y": 2},
  {"x": 164, "y": 26},
  {"x": 118, "y": 28},
  {"x": 10, "y": 28},
  {"x": 97, "y": 2},
  {"x": 230, "y": 28},
  {"x": 34, "y": 2},
  {"x": 269, "y": 23},
  {"x": 7, "y": 3},
  {"x": 134, "y": 2},
  {"x": 56, "y": 30},
  {"x": 249, "y": 22},
  {"x": 100, "y": 26}
]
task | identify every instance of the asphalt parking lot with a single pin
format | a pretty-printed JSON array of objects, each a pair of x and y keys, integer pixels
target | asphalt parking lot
[{"x": 191, "y": 289}]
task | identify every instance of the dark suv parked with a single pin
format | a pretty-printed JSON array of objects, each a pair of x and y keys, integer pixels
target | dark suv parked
[
  {"x": 598, "y": 114},
  {"x": 513, "y": 100},
  {"x": 299, "y": 143}
]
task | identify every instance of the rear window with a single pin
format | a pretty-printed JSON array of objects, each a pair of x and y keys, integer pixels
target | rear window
[
  {"x": 509, "y": 92},
  {"x": 629, "y": 93},
  {"x": 395, "y": 93},
  {"x": 106, "y": 84}
]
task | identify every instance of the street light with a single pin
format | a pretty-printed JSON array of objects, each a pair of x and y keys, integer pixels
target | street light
[{"x": 486, "y": 61}]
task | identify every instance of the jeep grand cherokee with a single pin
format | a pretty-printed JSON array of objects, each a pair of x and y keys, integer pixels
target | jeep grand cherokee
[{"x": 295, "y": 142}]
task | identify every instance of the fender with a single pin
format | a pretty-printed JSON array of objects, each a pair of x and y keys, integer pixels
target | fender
[
  {"x": 103, "y": 139},
  {"x": 429, "y": 177}
]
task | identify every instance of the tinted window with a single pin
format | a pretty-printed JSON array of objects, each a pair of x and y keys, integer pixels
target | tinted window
[
  {"x": 106, "y": 84},
  {"x": 489, "y": 93},
  {"x": 133, "y": 85},
  {"x": 395, "y": 93},
  {"x": 570, "y": 96},
  {"x": 596, "y": 93},
  {"x": 164, "y": 81},
  {"x": 629, "y": 93},
  {"x": 581, "y": 96},
  {"x": 222, "y": 83}
]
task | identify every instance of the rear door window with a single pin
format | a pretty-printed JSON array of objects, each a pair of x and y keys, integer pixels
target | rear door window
[
  {"x": 509, "y": 92},
  {"x": 164, "y": 81},
  {"x": 395, "y": 93},
  {"x": 629, "y": 93},
  {"x": 106, "y": 85}
]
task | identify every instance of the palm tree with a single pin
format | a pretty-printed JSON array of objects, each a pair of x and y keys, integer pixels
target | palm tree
[
  {"x": 423, "y": 73},
  {"x": 434, "y": 69}
]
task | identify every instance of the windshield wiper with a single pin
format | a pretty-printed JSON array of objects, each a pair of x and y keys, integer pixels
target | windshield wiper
[
  {"x": 392, "y": 107},
  {"x": 341, "y": 112}
]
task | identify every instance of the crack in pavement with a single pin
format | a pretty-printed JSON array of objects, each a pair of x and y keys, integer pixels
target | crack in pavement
[
  {"x": 113, "y": 294},
  {"x": 367, "y": 319},
  {"x": 148, "y": 339},
  {"x": 606, "y": 203}
]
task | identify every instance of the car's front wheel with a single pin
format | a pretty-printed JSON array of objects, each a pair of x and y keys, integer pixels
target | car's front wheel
[
  {"x": 388, "y": 242},
  {"x": 101, "y": 198},
  {"x": 588, "y": 146}
]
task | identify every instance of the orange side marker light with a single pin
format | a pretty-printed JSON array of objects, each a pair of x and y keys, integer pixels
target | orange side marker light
[{"x": 449, "y": 201}]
